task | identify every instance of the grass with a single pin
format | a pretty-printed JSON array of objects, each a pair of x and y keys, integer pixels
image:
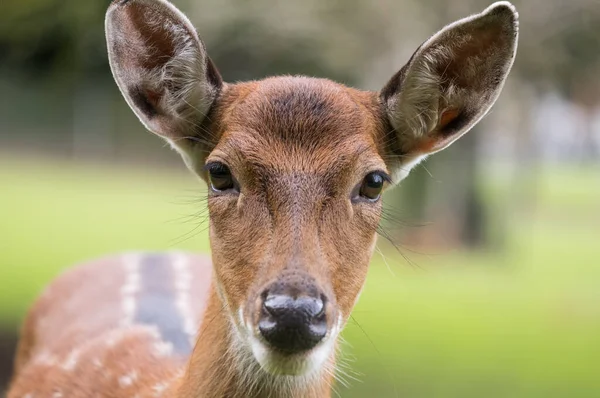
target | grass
[{"x": 524, "y": 322}]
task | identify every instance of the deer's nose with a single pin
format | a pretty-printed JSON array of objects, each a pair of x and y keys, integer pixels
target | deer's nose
[{"x": 293, "y": 324}]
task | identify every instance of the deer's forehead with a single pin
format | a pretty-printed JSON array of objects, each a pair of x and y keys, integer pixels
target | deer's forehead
[
  {"x": 300, "y": 111},
  {"x": 298, "y": 124}
]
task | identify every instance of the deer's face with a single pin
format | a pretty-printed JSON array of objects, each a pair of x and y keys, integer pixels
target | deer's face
[
  {"x": 296, "y": 166},
  {"x": 295, "y": 185}
]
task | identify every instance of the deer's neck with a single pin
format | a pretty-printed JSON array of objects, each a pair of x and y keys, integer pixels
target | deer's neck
[{"x": 220, "y": 366}]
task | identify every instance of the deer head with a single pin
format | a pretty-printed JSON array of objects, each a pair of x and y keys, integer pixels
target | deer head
[{"x": 296, "y": 166}]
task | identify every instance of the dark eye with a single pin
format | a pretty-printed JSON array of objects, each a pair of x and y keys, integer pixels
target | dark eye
[
  {"x": 220, "y": 177},
  {"x": 372, "y": 185}
]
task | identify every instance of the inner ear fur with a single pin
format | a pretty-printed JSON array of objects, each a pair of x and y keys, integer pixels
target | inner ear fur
[
  {"x": 451, "y": 81},
  {"x": 160, "y": 66}
]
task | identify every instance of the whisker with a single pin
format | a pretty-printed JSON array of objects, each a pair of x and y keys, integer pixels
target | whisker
[
  {"x": 378, "y": 353},
  {"x": 191, "y": 234},
  {"x": 385, "y": 260},
  {"x": 386, "y": 236}
]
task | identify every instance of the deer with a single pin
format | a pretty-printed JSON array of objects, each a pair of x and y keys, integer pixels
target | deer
[{"x": 295, "y": 168}]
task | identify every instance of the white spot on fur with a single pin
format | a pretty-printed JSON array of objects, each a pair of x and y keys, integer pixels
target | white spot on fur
[
  {"x": 128, "y": 379},
  {"x": 112, "y": 340},
  {"x": 163, "y": 349},
  {"x": 180, "y": 373},
  {"x": 71, "y": 362},
  {"x": 182, "y": 284},
  {"x": 116, "y": 335},
  {"x": 57, "y": 394},
  {"x": 131, "y": 287},
  {"x": 159, "y": 389},
  {"x": 46, "y": 358}
]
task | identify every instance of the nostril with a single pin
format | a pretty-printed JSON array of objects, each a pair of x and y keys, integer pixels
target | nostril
[
  {"x": 322, "y": 301},
  {"x": 276, "y": 305},
  {"x": 318, "y": 306}
]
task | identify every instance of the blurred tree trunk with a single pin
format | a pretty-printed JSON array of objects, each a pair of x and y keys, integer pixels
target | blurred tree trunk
[
  {"x": 442, "y": 192},
  {"x": 473, "y": 228},
  {"x": 93, "y": 133},
  {"x": 454, "y": 202}
]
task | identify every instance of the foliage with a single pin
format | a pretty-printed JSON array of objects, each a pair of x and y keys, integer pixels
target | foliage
[{"x": 559, "y": 44}]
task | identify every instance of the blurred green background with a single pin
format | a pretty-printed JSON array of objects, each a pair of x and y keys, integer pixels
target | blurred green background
[{"x": 490, "y": 285}]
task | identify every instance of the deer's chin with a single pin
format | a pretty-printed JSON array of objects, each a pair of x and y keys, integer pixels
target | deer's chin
[{"x": 277, "y": 363}]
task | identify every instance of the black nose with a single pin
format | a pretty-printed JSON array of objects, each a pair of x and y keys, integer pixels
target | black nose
[{"x": 291, "y": 324}]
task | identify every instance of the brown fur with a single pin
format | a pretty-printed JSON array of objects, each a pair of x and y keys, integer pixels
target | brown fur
[
  {"x": 74, "y": 334},
  {"x": 298, "y": 148}
]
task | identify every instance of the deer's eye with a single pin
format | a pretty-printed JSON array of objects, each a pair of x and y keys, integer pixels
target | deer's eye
[
  {"x": 372, "y": 186},
  {"x": 220, "y": 177}
]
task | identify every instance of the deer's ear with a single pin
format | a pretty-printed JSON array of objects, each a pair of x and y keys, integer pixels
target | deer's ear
[
  {"x": 160, "y": 66},
  {"x": 451, "y": 81}
]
